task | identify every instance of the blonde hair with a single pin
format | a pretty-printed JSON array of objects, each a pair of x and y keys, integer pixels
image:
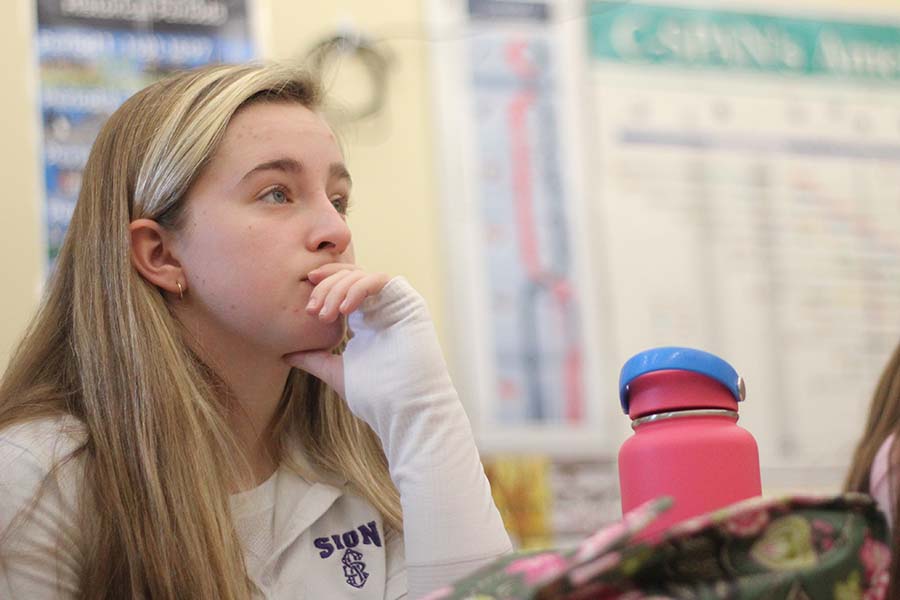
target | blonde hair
[
  {"x": 882, "y": 421},
  {"x": 105, "y": 348}
]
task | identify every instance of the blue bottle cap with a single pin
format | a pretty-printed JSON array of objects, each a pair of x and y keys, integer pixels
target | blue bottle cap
[{"x": 682, "y": 359}]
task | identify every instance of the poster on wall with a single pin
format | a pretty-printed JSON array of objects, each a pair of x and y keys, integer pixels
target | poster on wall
[
  {"x": 759, "y": 151},
  {"x": 536, "y": 329},
  {"x": 93, "y": 54},
  {"x": 552, "y": 502},
  {"x": 515, "y": 237},
  {"x": 626, "y": 175}
]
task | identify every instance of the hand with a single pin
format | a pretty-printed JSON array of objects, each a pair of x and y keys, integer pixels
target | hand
[{"x": 340, "y": 288}]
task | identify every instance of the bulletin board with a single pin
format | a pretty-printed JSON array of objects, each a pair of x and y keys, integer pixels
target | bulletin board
[{"x": 623, "y": 175}]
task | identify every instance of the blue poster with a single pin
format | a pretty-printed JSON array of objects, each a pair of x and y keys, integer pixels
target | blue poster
[{"x": 93, "y": 54}]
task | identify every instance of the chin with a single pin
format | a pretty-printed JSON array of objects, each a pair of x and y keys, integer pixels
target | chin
[{"x": 327, "y": 336}]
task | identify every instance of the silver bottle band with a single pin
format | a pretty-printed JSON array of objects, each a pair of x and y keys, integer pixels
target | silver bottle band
[{"x": 677, "y": 414}]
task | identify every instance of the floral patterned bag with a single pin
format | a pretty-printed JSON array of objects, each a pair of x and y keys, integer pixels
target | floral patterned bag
[{"x": 794, "y": 548}]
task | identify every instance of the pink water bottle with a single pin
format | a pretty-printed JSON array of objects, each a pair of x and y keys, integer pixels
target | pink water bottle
[{"x": 686, "y": 443}]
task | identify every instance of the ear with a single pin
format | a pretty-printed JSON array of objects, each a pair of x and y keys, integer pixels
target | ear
[{"x": 151, "y": 255}]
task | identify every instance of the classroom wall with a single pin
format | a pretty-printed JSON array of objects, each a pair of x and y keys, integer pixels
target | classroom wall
[
  {"x": 395, "y": 218},
  {"x": 20, "y": 242}
]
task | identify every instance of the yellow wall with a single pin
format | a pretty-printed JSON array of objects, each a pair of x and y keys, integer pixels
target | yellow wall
[
  {"x": 395, "y": 219},
  {"x": 20, "y": 241}
]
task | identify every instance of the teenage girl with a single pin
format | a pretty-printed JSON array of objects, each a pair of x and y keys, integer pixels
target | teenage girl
[{"x": 213, "y": 401}]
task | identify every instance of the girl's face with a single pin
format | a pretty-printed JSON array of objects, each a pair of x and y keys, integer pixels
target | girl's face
[{"x": 269, "y": 208}]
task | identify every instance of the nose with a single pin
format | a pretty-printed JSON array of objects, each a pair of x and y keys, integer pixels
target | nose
[{"x": 330, "y": 231}]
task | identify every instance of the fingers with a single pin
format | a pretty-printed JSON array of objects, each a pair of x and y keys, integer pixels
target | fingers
[
  {"x": 362, "y": 288},
  {"x": 317, "y": 275},
  {"x": 332, "y": 297},
  {"x": 340, "y": 288}
]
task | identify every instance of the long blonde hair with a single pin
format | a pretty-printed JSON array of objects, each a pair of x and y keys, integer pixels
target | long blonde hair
[
  {"x": 882, "y": 421},
  {"x": 105, "y": 348}
]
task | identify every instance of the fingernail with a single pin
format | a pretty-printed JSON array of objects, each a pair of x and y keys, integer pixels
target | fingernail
[
  {"x": 323, "y": 312},
  {"x": 312, "y": 304},
  {"x": 344, "y": 305}
]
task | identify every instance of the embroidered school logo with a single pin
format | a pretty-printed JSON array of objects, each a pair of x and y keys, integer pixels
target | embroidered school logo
[{"x": 354, "y": 568}]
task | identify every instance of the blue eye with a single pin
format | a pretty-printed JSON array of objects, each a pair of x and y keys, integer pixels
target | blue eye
[
  {"x": 340, "y": 204},
  {"x": 276, "y": 196}
]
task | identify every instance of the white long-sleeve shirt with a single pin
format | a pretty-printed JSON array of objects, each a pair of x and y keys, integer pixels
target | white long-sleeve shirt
[{"x": 302, "y": 539}]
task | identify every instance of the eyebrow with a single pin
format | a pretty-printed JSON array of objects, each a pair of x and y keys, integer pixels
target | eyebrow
[
  {"x": 339, "y": 171},
  {"x": 289, "y": 165}
]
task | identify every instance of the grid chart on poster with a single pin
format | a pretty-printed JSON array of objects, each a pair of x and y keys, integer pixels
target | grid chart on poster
[{"x": 756, "y": 214}]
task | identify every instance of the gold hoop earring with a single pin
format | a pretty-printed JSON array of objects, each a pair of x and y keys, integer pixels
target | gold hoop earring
[{"x": 180, "y": 290}]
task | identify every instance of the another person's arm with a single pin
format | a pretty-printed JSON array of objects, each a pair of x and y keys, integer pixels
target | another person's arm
[{"x": 880, "y": 480}]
